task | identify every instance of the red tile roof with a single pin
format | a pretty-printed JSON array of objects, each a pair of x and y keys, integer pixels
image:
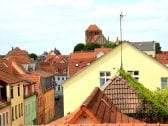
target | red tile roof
[
  {"x": 93, "y": 27},
  {"x": 75, "y": 65},
  {"x": 99, "y": 109},
  {"x": 122, "y": 94},
  {"x": 17, "y": 52},
  {"x": 35, "y": 78},
  {"x": 79, "y": 60},
  {"x": 162, "y": 57},
  {"x": 82, "y": 55},
  {"x": 42, "y": 73},
  {"x": 9, "y": 78},
  {"x": 114, "y": 124}
]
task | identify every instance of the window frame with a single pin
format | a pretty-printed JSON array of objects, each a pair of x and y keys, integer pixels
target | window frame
[
  {"x": 105, "y": 76},
  {"x": 164, "y": 85}
]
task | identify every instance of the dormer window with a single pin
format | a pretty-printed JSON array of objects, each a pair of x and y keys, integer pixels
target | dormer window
[
  {"x": 76, "y": 64},
  {"x": 64, "y": 71}
]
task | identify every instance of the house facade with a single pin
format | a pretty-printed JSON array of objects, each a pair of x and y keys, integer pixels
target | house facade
[
  {"x": 47, "y": 82},
  {"x": 30, "y": 103},
  {"x": 44, "y": 87},
  {"x": 17, "y": 103},
  {"x": 139, "y": 65},
  {"x": 5, "y": 113},
  {"x": 5, "y": 106}
]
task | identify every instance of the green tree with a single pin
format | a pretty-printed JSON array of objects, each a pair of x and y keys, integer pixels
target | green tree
[
  {"x": 162, "y": 96},
  {"x": 158, "y": 47},
  {"x": 91, "y": 46},
  {"x": 109, "y": 45},
  {"x": 33, "y": 55},
  {"x": 79, "y": 47}
]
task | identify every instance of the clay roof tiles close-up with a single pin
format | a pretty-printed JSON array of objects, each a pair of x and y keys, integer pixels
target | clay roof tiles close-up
[
  {"x": 99, "y": 109},
  {"x": 162, "y": 57}
]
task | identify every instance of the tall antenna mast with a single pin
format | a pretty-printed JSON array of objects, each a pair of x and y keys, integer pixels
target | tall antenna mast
[{"x": 121, "y": 16}]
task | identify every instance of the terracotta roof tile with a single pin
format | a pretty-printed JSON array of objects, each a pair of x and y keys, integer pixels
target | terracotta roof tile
[
  {"x": 125, "y": 97},
  {"x": 42, "y": 73},
  {"x": 93, "y": 27},
  {"x": 99, "y": 109},
  {"x": 17, "y": 52},
  {"x": 162, "y": 57},
  {"x": 79, "y": 60},
  {"x": 9, "y": 78}
]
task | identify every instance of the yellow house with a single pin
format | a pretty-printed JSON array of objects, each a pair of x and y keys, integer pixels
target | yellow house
[
  {"x": 142, "y": 67},
  {"x": 17, "y": 105}
]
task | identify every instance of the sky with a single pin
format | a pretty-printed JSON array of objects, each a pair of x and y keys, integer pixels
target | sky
[{"x": 42, "y": 25}]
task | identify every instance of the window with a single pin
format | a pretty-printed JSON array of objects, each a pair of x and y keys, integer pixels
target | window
[
  {"x": 26, "y": 110},
  {"x": 32, "y": 88},
  {"x": 58, "y": 78},
  {"x": 58, "y": 87},
  {"x": 26, "y": 90},
  {"x": 19, "y": 111},
  {"x": 12, "y": 114},
  {"x": 0, "y": 120},
  {"x": 134, "y": 74},
  {"x": 6, "y": 117},
  {"x": 16, "y": 111},
  {"x": 62, "y": 78},
  {"x": 11, "y": 91},
  {"x": 18, "y": 90},
  {"x": 29, "y": 109},
  {"x": 32, "y": 107},
  {"x": 3, "y": 118},
  {"x": 104, "y": 77},
  {"x": 22, "y": 108},
  {"x": 164, "y": 82}
]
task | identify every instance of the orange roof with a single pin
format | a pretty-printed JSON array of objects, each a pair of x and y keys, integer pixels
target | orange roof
[
  {"x": 99, "y": 109},
  {"x": 9, "y": 78},
  {"x": 113, "y": 124},
  {"x": 43, "y": 73},
  {"x": 35, "y": 78},
  {"x": 79, "y": 60},
  {"x": 82, "y": 55},
  {"x": 162, "y": 57},
  {"x": 105, "y": 50},
  {"x": 93, "y": 27},
  {"x": 75, "y": 65},
  {"x": 17, "y": 52},
  {"x": 20, "y": 59},
  {"x": 56, "y": 58}
]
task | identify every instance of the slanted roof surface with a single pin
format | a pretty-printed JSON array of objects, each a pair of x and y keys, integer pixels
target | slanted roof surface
[
  {"x": 99, "y": 109},
  {"x": 93, "y": 27},
  {"x": 144, "y": 46}
]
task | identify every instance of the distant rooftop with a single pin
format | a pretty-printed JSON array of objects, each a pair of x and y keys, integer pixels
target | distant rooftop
[
  {"x": 144, "y": 46},
  {"x": 93, "y": 27}
]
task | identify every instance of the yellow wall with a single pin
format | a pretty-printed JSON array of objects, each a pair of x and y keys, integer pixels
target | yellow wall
[
  {"x": 79, "y": 86},
  {"x": 15, "y": 102},
  {"x": 49, "y": 105},
  {"x": 4, "y": 111},
  {"x": 151, "y": 53}
]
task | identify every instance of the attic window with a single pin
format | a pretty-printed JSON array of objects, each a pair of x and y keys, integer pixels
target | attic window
[
  {"x": 76, "y": 64},
  {"x": 134, "y": 74},
  {"x": 104, "y": 77}
]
